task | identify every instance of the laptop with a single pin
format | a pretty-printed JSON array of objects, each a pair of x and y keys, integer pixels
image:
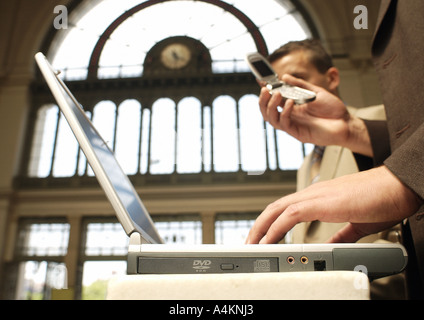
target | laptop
[{"x": 148, "y": 254}]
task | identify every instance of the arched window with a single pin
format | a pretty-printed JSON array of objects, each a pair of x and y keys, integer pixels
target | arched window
[
  {"x": 167, "y": 87},
  {"x": 119, "y": 34}
]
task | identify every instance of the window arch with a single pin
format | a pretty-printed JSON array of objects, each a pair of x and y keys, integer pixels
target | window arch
[
  {"x": 119, "y": 34},
  {"x": 184, "y": 121}
]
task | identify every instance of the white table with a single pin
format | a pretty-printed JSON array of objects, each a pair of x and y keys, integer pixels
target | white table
[{"x": 325, "y": 285}]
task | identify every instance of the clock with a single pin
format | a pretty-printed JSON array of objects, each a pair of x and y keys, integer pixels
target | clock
[{"x": 175, "y": 56}]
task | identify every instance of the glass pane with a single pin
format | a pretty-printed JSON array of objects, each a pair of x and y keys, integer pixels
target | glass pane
[
  {"x": 106, "y": 239},
  {"x": 179, "y": 232},
  {"x": 43, "y": 239},
  {"x": 96, "y": 276},
  {"x": 189, "y": 139},
  {"x": 67, "y": 57},
  {"x": 83, "y": 166},
  {"x": 128, "y": 135},
  {"x": 290, "y": 155},
  {"x": 272, "y": 148},
  {"x": 104, "y": 117},
  {"x": 37, "y": 278},
  {"x": 225, "y": 135},
  {"x": 85, "y": 26},
  {"x": 162, "y": 157},
  {"x": 232, "y": 229},
  {"x": 145, "y": 134},
  {"x": 207, "y": 140},
  {"x": 65, "y": 159},
  {"x": 252, "y": 136},
  {"x": 43, "y": 141}
]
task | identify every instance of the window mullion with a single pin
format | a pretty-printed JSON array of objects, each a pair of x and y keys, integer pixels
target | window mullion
[
  {"x": 176, "y": 138},
  {"x": 268, "y": 164},
  {"x": 202, "y": 136},
  {"x": 59, "y": 115},
  {"x": 149, "y": 148},
  {"x": 212, "y": 139},
  {"x": 140, "y": 136},
  {"x": 238, "y": 134},
  {"x": 277, "y": 156},
  {"x": 115, "y": 129}
]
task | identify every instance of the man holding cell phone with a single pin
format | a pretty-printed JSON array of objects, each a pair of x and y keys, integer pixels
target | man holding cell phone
[
  {"x": 391, "y": 192},
  {"x": 308, "y": 60}
]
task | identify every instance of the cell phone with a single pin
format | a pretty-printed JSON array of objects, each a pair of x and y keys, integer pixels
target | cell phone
[{"x": 263, "y": 71}]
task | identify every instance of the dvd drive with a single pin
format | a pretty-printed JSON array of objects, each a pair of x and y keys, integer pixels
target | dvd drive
[{"x": 182, "y": 265}]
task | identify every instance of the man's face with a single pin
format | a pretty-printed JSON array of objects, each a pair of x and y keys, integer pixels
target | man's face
[{"x": 297, "y": 64}]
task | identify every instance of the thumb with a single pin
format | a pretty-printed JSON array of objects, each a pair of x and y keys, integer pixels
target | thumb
[
  {"x": 348, "y": 234},
  {"x": 352, "y": 232}
]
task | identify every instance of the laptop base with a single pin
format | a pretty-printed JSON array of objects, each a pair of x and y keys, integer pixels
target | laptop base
[{"x": 375, "y": 260}]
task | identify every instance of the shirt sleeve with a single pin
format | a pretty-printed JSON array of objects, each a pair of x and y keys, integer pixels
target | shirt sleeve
[
  {"x": 380, "y": 141},
  {"x": 380, "y": 144}
]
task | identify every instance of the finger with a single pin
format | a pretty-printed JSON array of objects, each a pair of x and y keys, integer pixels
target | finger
[
  {"x": 282, "y": 215},
  {"x": 293, "y": 81},
  {"x": 295, "y": 213},
  {"x": 261, "y": 83},
  {"x": 264, "y": 98},
  {"x": 262, "y": 223},
  {"x": 285, "y": 116},
  {"x": 272, "y": 109}
]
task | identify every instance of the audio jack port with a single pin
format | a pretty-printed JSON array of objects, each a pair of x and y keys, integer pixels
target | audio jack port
[{"x": 304, "y": 260}]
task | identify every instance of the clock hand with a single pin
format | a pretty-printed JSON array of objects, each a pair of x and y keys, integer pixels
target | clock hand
[{"x": 175, "y": 55}]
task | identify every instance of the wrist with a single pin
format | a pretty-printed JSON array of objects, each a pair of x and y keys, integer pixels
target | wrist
[{"x": 357, "y": 137}]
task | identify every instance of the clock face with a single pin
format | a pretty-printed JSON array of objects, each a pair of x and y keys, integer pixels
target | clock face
[{"x": 175, "y": 56}]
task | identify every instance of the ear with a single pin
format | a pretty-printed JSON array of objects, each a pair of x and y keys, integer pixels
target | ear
[{"x": 333, "y": 78}]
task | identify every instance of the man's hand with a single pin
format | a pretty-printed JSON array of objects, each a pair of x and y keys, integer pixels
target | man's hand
[
  {"x": 324, "y": 121},
  {"x": 371, "y": 201}
]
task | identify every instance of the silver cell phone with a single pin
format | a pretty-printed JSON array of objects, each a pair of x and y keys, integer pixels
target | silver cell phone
[{"x": 263, "y": 71}]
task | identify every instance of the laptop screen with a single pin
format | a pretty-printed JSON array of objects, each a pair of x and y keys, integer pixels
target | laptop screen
[{"x": 128, "y": 207}]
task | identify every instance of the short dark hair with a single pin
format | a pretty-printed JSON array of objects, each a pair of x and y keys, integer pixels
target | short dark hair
[{"x": 319, "y": 57}]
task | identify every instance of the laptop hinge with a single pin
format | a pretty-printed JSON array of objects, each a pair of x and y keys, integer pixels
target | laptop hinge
[{"x": 135, "y": 241}]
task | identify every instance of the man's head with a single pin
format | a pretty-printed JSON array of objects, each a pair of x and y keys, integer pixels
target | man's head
[{"x": 308, "y": 60}]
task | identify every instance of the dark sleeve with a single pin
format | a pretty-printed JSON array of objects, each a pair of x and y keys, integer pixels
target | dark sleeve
[
  {"x": 380, "y": 144},
  {"x": 406, "y": 162}
]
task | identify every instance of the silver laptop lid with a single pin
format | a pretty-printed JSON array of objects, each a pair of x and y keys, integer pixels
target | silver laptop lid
[{"x": 128, "y": 206}]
